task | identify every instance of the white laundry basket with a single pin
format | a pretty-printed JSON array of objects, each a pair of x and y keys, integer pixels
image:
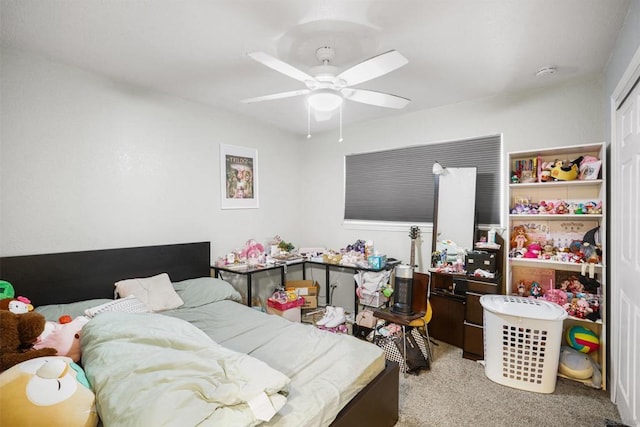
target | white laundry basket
[{"x": 522, "y": 339}]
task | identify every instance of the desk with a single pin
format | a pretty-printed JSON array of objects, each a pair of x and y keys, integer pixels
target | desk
[
  {"x": 249, "y": 271},
  {"x": 391, "y": 263}
]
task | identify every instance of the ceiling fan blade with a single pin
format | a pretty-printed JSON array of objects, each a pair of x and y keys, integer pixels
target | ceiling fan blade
[
  {"x": 280, "y": 66},
  {"x": 379, "y": 99},
  {"x": 373, "y": 67},
  {"x": 276, "y": 96}
]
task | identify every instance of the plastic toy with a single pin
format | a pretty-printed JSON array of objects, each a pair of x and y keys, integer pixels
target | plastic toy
[{"x": 519, "y": 238}]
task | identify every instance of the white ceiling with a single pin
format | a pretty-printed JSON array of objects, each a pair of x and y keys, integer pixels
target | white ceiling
[{"x": 458, "y": 50}]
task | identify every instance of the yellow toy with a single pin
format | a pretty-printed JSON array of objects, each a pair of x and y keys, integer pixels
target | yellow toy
[{"x": 46, "y": 391}]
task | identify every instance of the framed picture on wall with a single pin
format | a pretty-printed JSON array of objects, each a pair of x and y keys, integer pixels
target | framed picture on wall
[{"x": 238, "y": 177}]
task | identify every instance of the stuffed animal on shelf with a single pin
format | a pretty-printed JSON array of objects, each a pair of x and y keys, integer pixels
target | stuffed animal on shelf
[
  {"x": 519, "y": 238},
  {"x": 533, "y": 250},
  {"x": 580, "y": 366},
  {"x": 64, "y": 336},
  {"x": 566, "y": 171},
  {"x": 50, "y": 391},
  {"x": 19, "y": 332}
]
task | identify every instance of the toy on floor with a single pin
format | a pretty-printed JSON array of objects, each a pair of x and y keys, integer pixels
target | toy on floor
[
  {"x": 580, "y": 366},
  {"x": 19, "y": 332},
  {"x": 50, "y": 391}
]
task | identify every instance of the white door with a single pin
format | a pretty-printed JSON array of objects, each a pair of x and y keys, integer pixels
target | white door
[{"x": 625, "y": 262}]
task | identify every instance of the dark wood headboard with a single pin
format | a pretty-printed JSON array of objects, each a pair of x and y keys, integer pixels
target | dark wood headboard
[{"x": 76, "y": 276}]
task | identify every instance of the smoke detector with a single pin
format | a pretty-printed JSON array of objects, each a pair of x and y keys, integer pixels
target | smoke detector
[{"x": 546, "y": 71}]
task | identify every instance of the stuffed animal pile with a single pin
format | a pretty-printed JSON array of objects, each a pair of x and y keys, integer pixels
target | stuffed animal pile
[{"x": 19, "y": 333}]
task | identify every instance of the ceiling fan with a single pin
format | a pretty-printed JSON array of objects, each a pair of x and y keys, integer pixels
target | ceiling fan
[{"x": 327, "y": 89}]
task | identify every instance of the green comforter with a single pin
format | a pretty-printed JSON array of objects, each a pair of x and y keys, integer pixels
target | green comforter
[{"x": 151, "y": 369}]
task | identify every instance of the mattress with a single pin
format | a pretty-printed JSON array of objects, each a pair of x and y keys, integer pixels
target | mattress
[{"x": 326, "y": 370}]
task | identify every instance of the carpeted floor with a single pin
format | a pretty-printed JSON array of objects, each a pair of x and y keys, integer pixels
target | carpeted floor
[{"x": 456, "y": 392}]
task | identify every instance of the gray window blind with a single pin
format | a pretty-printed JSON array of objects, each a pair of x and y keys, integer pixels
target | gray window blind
[{"x": 398, "y": 184}]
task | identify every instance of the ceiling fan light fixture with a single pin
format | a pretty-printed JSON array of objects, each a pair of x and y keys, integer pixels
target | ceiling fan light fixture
[{"x": 325, "y": 100}]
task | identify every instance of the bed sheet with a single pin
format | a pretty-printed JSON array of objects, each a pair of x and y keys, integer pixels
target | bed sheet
[{"x": 326, "y": 370}]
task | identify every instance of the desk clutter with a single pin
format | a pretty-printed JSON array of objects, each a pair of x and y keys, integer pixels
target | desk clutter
[{"x": 253, "y": 254}]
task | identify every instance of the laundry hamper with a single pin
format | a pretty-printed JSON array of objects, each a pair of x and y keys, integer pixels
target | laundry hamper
[{"x": 522, "y": 339}]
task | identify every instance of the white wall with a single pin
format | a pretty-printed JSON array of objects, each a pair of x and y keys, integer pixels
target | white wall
[
  {"x": 88, "y": 163},
  {"x": 565, "y": 115}
]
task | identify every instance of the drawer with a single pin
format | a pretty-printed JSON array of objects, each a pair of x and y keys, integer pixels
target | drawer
[
  {"x": 473, "y": 340},
  {"x": 482, "y": 287},
  {"x": 473, "y": 309}
]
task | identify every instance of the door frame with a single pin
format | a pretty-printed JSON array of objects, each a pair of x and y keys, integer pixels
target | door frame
[{"x": 622, "y": 89}]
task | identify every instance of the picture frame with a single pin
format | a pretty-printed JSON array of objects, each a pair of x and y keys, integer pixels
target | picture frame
[{"x": 238, "y": 177}]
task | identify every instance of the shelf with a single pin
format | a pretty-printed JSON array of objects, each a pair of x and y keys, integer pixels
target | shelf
[
  {"x": 534, "y": 262},
  {"x": 555, "y": 216},
  {"x": 574, "y": 183}
]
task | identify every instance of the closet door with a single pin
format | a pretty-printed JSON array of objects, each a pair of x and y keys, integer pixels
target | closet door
[{"x": 625, "y": 312}]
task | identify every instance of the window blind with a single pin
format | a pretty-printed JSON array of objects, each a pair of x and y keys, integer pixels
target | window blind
[{"x": 398, "y": 184}]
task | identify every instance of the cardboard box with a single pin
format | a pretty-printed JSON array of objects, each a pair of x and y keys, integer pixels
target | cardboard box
[
  {"x": 306, "y": 289},
  {"x": 292, "y": 314},
  {"x": 282, "y": 306},
  {"x": 310, "y": 302}
]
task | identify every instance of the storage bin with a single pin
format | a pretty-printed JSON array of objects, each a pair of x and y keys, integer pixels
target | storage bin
[{"x": 522, "y": 340}]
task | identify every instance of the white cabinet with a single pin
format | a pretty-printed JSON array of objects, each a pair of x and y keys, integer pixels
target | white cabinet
[{"x": 556, "y": 233}]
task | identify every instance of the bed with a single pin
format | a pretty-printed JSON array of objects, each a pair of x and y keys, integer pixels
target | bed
[{"x": 310, "y": 377}]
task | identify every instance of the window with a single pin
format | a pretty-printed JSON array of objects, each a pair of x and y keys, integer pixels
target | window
[{"x": 398, "y": 185}]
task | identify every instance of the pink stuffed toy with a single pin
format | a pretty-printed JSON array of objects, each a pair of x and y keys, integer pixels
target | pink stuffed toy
[{"x": 64, "y": 337}]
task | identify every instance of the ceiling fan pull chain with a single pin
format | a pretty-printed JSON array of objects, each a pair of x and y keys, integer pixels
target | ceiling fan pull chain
[
  {"x": 308, "y": 121},
  {"x": 340, "y": 140}
]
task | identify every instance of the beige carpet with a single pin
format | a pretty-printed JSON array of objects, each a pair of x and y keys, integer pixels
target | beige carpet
[{"x": 456, "y": 392}]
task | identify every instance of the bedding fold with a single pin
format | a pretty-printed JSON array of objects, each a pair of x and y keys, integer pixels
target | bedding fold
[{"x": 151, "y": 369}]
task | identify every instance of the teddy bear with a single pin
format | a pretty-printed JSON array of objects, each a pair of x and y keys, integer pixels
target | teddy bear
[{"x": 19, "y": 332}]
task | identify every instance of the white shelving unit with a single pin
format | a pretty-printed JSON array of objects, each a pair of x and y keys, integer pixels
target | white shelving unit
[{"x": 558, "y": 230}]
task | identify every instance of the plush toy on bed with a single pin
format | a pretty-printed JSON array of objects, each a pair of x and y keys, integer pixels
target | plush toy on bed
[
  {"x": 18, "y": 305},
  {"x": 50, "y": 391},
  {"x": 19, "y": 332},
  {"x": 64, "y": 336}
]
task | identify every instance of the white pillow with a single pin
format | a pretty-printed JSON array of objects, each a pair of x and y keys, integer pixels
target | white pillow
[
  {"x": 156, "y": 292},
  {"x": 130, "y": 304}
]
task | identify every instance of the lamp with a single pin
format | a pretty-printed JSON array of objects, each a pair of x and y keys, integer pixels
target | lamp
[
  {"x": 325, "y": 99},
  {"x": 437, "y": 169}
]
